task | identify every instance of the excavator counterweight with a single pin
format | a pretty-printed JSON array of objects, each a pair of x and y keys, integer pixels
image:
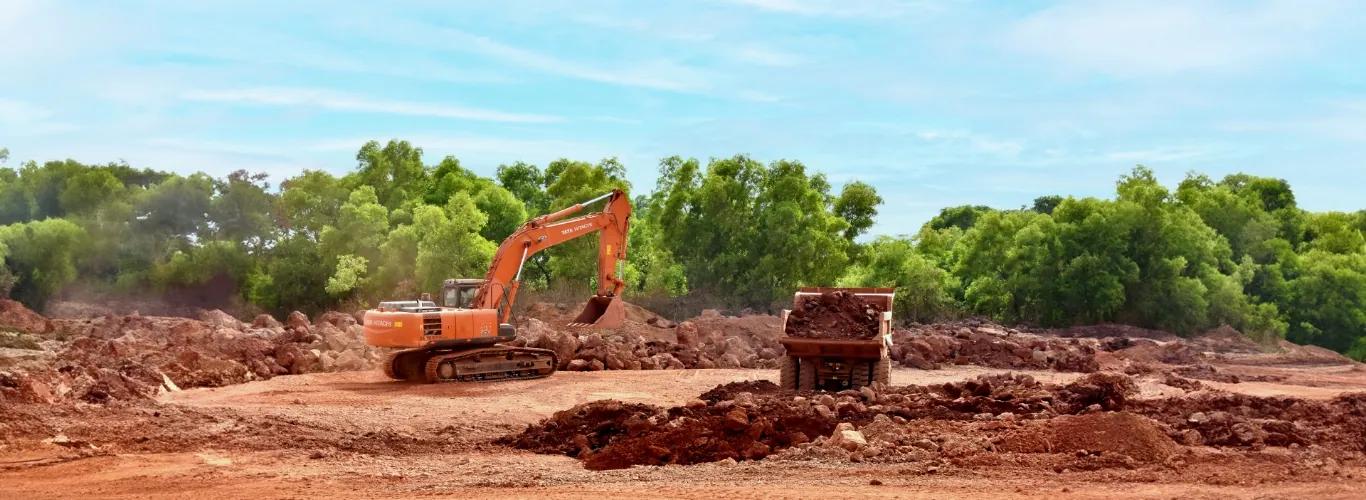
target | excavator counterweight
[{"x": 462, "y": 338}]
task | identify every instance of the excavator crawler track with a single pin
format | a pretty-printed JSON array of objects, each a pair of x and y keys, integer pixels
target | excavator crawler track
[
  {"x": 407, "y": 364},
  {"x": 490, "y": 364}
]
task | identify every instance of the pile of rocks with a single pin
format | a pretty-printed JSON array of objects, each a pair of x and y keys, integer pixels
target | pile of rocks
[
  {"x": 930, "y": 347},
  {"x": 627, "y": 350},
  {"x": 135, "y": 357}
]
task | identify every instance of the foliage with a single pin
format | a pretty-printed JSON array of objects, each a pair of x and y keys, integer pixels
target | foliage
[{"x": 1236, "y": 251}]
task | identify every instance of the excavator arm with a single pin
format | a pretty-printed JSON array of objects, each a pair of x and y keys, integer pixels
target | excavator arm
[{"x": 612, "y": 223}]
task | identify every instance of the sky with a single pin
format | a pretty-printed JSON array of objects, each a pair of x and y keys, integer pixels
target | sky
[{"x": 934, "y": 102}]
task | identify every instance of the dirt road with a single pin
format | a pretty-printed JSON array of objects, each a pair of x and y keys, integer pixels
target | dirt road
[{"x": 474, "y": 414}]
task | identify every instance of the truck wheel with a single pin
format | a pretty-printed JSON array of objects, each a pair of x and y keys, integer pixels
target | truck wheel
[
  {"x": 863, "y": 374},
  {"x": 882, "y": 372},
  {"x": 787, "y": 373},
  {"x": 806, "y": 374}
]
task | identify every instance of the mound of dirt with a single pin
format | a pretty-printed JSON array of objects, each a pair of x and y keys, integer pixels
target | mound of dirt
[
  {"x": 728, "y": 391},
  {"x": 1089, "y": 424},
  {"x": 1239, "y": 420},
  {"x": 1204, "y": 371},
  {"x": 585, "y": 427},
  {"x": 712, "y": 433},
  {"x": 1097, "y": 433},
  {"x": 929, "y": 347},
  {"x": 839, "y": 315},
  {"x": 710, "y": 341},
  {"x": 14, "y": 316},
  {"x": 134, "y": 357}
]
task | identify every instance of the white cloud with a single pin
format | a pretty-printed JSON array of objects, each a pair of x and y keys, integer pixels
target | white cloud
[
  {"x": 1132, "y": 37},
  {"x": 338, "y": 101}
]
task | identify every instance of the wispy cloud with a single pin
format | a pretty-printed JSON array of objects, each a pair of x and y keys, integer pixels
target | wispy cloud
[
  {"x": 659, "y": 73},
  {"x": 20, "y": 118},
  {"x": 339, "y": 101},
  {"x": 979, "y": 141},
  {"x": 847, "y": 8},
  {"x": 1131, "y": 37},
  {"x": 767, "y": 57}
]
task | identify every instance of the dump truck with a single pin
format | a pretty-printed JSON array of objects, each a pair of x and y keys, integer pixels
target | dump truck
[
  {"x": 835, "y": 364},
  {"x": 463, "y": 337}
]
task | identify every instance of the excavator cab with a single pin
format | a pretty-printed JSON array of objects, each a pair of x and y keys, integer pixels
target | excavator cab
[{"x": 460, "y": 292}]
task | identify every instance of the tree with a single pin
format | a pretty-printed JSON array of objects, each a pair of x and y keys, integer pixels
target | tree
[
  {"x": 41, "y": 258},
  {"x": 450, "y": 244},
  {"x": 857, "y": 204}
]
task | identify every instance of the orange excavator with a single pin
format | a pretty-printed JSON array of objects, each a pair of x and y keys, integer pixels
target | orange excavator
[{"x": 460, "y": 340}]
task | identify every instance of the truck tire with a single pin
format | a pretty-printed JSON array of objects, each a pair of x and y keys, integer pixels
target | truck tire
[
  {"x": 806, "y": 375},
  {"x": 862, "y": 374},
  {"x": 787, "y": 373},
  {"x": 882, "y": 372}
]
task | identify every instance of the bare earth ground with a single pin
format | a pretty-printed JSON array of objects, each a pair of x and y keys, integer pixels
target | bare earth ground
[{"x": 478, "y": 413}]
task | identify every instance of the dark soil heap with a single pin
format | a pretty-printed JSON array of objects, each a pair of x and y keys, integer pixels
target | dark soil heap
[
  {"x": 838, "y": 315},
  {"x": 1093, "y": 422}
]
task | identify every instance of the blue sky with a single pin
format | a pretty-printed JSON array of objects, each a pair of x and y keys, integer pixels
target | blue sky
[{"x": 935, "y": 102}]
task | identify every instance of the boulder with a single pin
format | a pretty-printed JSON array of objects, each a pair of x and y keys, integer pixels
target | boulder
[
  {"x": 349, "y": 360},
  {"x": 687, "y": 335},
  {"x": 297, "y": 320},
  {"x": 220, "y": 319},
  {"x": 846, "y": 437},
  {"x": 265, "y": 321},
  {"x": 337, "y": 319},
  {"x": 577, "y": 365}
]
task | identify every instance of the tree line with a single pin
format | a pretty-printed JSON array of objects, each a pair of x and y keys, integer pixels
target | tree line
[{"x": 1235, "y": 251}]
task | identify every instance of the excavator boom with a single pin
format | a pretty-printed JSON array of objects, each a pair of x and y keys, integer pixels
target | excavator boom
[{"x": 612, "y": 223}]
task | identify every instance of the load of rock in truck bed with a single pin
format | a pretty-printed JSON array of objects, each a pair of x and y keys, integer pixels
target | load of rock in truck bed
[{"x": 836, "y": 315}]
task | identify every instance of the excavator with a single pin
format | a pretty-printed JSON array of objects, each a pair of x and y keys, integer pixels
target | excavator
[{"x": 462, "y": 339}]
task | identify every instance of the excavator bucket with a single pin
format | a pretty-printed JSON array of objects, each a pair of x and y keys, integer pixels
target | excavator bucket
[{"x": 601, "y": 312}]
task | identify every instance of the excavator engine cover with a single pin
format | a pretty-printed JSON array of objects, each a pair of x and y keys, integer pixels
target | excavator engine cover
[{"x": 601, "y": 312}]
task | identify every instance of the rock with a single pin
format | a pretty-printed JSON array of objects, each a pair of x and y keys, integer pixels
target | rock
[
  {"x": 767, "y": 354},
  {"x": 846, "y": 437},
  {"x": 687, "y": 335},
  {"x": 265, "y": 321},
  {"x": 297, "y": 319},
  {"x": 757, "y": 450},
  {"x": 592, "y": 341},
  {"x": 730, "y": 361},
  {"x": 596, "y": 365},
  {"x": 220, "y": 319},
  {"x": 563, "y": 343},
  {"x": 333, "y": 337},
  {"x": 744, "y": 399},
  {"x": 337, "y": 319},
  {"x": 711, "y": 313},
  {"x": 705, "y": 364},
  {"x": 350, "y": 361},
  {"x": 649, "y": 363},
  {"x": 576, "y": 365},
  {"x": 327, "y": 361},
  {"x": 736, "y": 419}
]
